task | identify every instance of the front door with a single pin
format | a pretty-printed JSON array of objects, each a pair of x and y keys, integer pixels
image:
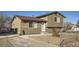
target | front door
[{"x": 43, "y": 27}]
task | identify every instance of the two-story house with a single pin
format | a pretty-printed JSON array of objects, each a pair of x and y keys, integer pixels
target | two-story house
[{"x": 39, "y": 24}]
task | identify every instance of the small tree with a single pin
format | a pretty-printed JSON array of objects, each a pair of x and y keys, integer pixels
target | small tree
[
  {"x": 56, "y": 31},
  {"x": 4, "y": 21},
  {"x": 67, "y": 26},
  {"x": 1, "y": 21}
]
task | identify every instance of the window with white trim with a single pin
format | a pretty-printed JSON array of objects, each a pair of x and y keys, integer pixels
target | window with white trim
[
  {"x": 35, "y": 25},
  {"x": 30, "y": 24},
  {"x": 57, "y": 19}
]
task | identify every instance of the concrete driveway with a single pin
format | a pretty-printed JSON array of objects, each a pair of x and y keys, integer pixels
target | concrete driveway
[{"x": 22, "y": 41}]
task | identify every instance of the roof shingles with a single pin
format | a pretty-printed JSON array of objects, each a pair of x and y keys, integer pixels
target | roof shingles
[
  {"x": 44, "y": 15},
  {"x": 27, "y": 18}
]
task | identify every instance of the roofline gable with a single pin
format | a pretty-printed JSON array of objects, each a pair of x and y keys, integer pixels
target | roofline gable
[
  {"x": 44, "y": 15},
  {"x": 13, "y": 18}
]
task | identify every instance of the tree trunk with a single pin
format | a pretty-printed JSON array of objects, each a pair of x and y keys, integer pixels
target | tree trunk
[{"x": 55, "y": 31}]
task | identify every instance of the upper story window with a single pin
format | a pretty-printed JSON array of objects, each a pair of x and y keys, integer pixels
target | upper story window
[{"x": 57, "y": 19}]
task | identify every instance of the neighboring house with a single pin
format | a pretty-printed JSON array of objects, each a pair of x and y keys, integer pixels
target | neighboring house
[
  {"x": 38, "y": 24},
  {"x": 75, "y": 28},
  {"x": 27, "y": 25}
]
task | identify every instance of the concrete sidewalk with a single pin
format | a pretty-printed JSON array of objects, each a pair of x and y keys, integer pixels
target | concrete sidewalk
[
  {"x": 8, "y": 36},
  {"x": 36, "y": 35},
  {"x": 15, "y": 35}
]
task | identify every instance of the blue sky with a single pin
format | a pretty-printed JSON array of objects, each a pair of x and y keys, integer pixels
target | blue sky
[{"x": 71, "y": 16}]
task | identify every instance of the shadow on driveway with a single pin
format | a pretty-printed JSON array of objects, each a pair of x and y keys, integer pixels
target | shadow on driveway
[{"x": 6, "y": 34}]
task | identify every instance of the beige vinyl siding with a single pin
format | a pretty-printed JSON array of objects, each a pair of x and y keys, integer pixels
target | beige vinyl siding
[
  {"x": 30, "y": 30},
  {"x": 17, "y": 24},
  {"x": 52, "y": 23}
]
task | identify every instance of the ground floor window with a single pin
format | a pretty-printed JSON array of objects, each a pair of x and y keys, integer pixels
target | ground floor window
[
  {"x": 35, "y": 25},
  {"x": 30, "y": 24}
]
